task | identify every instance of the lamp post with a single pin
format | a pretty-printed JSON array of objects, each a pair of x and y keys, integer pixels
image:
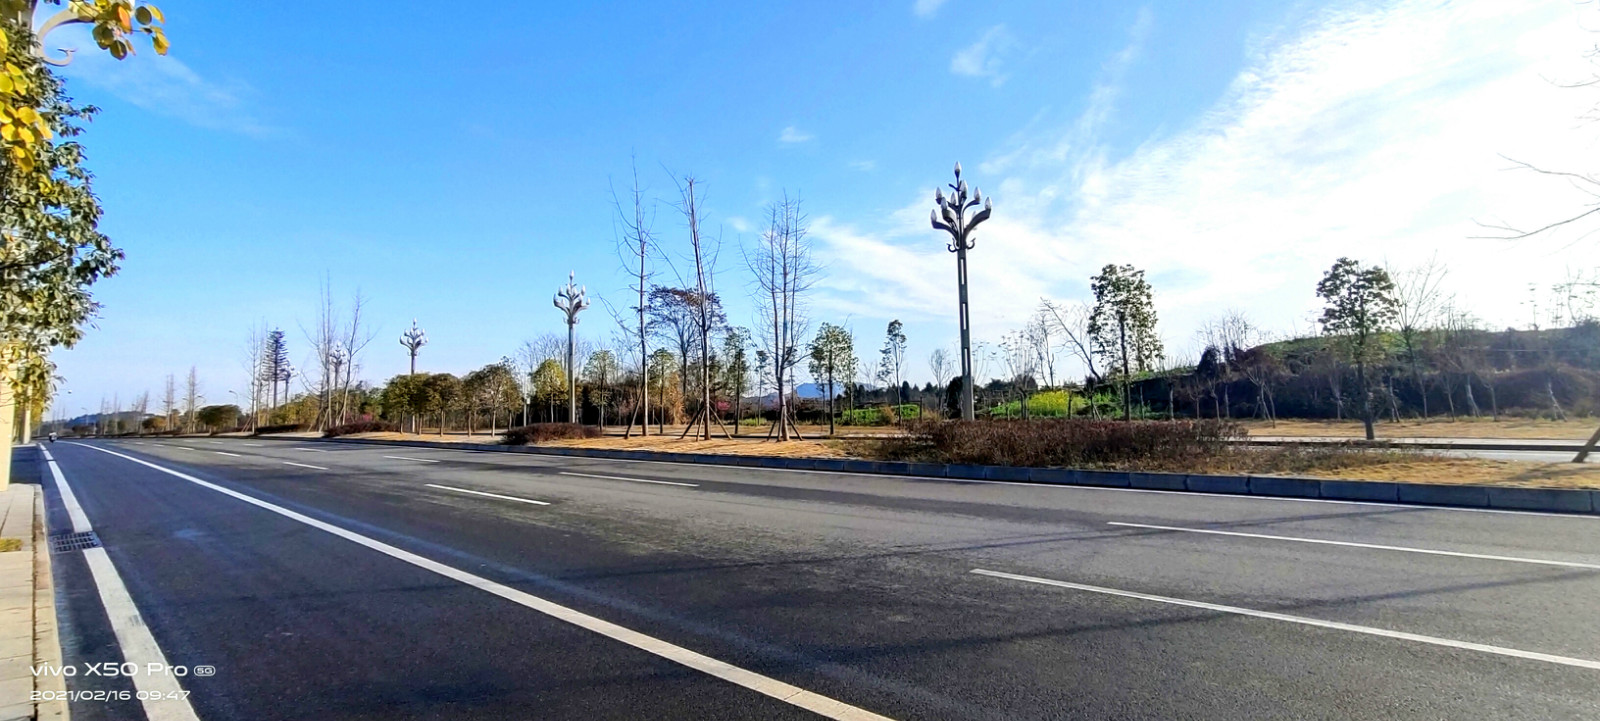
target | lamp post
[
  {"x": 414, "y": 340},
  {"x": 336, "y": 359},
  {"x": 951, "y": 217},
  {"x": 571, "y": 300}
]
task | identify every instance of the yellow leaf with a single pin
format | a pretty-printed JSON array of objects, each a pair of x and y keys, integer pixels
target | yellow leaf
[
  {"x": 25, "y": 135},
  {"x": 124, "y": 19},
  {"x": 27, "y": 115},
  {"x": 157, "y": 12},
  {"x": 5, "y": 43},
  {"x": 158, "y": 39},
  {"x": 8, "y": 132},
  {"x": 6, "y": 86}
]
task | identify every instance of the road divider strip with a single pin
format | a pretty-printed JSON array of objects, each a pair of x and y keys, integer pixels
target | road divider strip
[
  {"x": 1353, "y": 544},
  {"x": 1305, "y": 621},
  {"x": 635, "y": 480},
  {"x": 160, "y": 694},
  {"x": 486, "y": 494},
  {"x": 793, "y": 695}
]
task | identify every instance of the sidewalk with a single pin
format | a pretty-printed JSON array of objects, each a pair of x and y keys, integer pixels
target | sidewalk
[{"x": 27, "y": 599}]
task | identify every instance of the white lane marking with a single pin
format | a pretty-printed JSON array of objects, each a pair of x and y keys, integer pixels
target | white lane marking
[
  {"x": 225, "y": 453},
  {"x": 163, "y": 699},
  {"x": 186, "y": 448},
  {"x": 794, "y": 695},
  {"x": 404, "y": 458},
  {"x": 138, "y": 443},
  {"x": 252, "y": 445},
  {"x": 303, "y": 465},
  {"x": 80, "y": 521},
  {"x": 1352, "y": 544},
  {"x": 312, "y": 450},
  {"x": 490, "y": 495},
  {"x": 1386, "y": 633},
  {"x": 635, "y": 480}
]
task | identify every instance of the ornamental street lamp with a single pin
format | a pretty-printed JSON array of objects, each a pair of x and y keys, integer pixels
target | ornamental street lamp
[
  {"x": 571, "y": 300},
  {"x": 414, "y": 340},
  {"x": 951, "y": 217}
]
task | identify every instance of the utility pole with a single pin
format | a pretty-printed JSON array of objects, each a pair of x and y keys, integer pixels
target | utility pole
[
  {"x": 951, "y": 218},
  {"x": 414, "y": 340},
  {"x": 571, "y": 300}
]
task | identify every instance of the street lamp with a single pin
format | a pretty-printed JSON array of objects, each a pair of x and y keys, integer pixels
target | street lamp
[
  {"x": 571, "y": 300},
  {"x": 951, "y": 217},
  {"x": 414, "y": 340}
]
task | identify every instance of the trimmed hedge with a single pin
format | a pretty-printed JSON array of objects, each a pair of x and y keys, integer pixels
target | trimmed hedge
[
  {"x": 372, "y": 426},
  {"x": 1064, "y": 442},
  {"x": 541, "y": 432},
  {"x": 282, "y": 428}
]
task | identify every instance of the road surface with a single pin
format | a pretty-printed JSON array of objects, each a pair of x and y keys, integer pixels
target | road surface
[{"x": 327, "y": 581}]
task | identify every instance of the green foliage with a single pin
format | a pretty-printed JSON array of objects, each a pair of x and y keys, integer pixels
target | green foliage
[
  {"x": 218, "y": 417},
  {"x": 1361, "y": 305},
  {"x": 881, "y": 415},
  {"x": 550, "y": 382},
  {"x": 1124, "y": 310},
  {"x": 1047, "y": 404},
  {"x": 833, "y": 355}
]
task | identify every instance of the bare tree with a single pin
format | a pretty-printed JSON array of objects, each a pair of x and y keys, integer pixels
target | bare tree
[
  {"x": 1040, "y": 339},
  {"x": 784, "y": 272},
  {"x": 706, "y": 315},
  {"x": 141, "y": 406},
  {"x": 352, "y": 341},
  {"x": 634, "y": 243},
  {"x": 1420, "y": 297},
  {"x": 942, "y": 367},
  {"x": 169, "y": 400},
  {"x": 191, "y": 398},
  {"x": 1072, "y": 323}
]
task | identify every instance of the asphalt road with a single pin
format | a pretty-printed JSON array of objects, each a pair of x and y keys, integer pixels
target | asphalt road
[{"x": 326, "y": 581}]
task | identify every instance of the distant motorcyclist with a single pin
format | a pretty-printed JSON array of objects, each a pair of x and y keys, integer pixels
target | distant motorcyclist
[{"x": 52, "y": 437}]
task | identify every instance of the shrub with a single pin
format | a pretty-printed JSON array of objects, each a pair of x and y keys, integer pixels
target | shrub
[
  {"x": 1064, "y": 442},
  {"x": 281, "y": 428},
  {"x": 368, "y": 426},
  {"x": 541, "y": 432}
]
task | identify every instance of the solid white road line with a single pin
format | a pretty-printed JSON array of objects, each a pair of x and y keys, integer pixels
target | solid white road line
[
  {"x": 404, "y": 458},
  {"x": 794, "y": 695},
  {"x": 162, "y": 697},
  {"x": 313, "y": 450},
  {"x": 252, "y": 445},
  {"x": 490, "y": 495},
  {"x": 160, "y": 694},
  {"x": 225, "y": 453},
  {"x": 186, "y": 448},
  {"x": 635, "y": 480},
  {"x": 1419, "y": 638},
  {"x": 303, "y": 465},
  {"x": 80, "y": 522},
  {"x": 1352, "y": 544}
]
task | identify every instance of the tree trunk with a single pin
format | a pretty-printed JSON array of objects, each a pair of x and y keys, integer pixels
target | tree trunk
[
  {"x": 1366, "y": 400},
  {"x": 1472, "y": 403},
  {"x": 1127, "y": 371},
  {"x": 8, "y": 412}
]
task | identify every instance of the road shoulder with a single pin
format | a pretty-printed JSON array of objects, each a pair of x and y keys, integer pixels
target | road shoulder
[{"x": 27, "y": 606}]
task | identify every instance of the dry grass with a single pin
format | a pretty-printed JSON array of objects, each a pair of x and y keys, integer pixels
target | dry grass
[
  {"x": 735, "y": 447},
  {"x": 1474, "y": 471},
  {"x": 1481, "y": 428},
  {"x": 10, "y": 544}
]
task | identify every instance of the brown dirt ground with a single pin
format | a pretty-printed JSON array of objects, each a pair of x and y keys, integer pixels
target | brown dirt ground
[{"x": 1482, "y": 428}]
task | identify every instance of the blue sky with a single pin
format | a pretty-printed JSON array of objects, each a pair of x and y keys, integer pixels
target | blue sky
[{"x": 455, "y": 166}]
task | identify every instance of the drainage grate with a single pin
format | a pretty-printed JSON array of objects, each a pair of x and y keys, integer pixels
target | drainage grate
[{"x": 74, "y": 542}]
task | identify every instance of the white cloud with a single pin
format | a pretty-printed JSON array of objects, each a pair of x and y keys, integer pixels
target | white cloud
[
  {"x": 792, "y": 135},
  {"x": 927, "y": 8},
  {"x": 160, "y": 84},
  {"x": 982, "y": 59},
  {"x": 1372, "y": 134},
  {"x": 865, "y": 166}
]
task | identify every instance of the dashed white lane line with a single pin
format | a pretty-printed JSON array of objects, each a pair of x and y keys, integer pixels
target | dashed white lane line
[
  {"x": 160, "y": 694},
  {"x": 1352, "y": 544},
  {"x": 304, "y": 465},
  {"x": 311, "y": 450},
  {"x": 407, "y": 458},
  {"x": 252, "y": 445},
  {"x": 489, "y": 495},
  {"x": 793, "y": 695},
  {"x": 225, "y": 453},
  {"x": 1335, "y": 625},
  {"x": 635, "y": 480},
  {"x": 186, "y": 448}
]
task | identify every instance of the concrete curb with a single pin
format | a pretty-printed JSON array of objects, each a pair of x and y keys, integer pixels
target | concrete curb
[
  {"x": 1554, "y": 500},
  {"x": 46, "y": 637}
]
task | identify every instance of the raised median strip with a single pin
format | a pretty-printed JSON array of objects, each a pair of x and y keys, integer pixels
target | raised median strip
[{"x": 1553, "y": 500}]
